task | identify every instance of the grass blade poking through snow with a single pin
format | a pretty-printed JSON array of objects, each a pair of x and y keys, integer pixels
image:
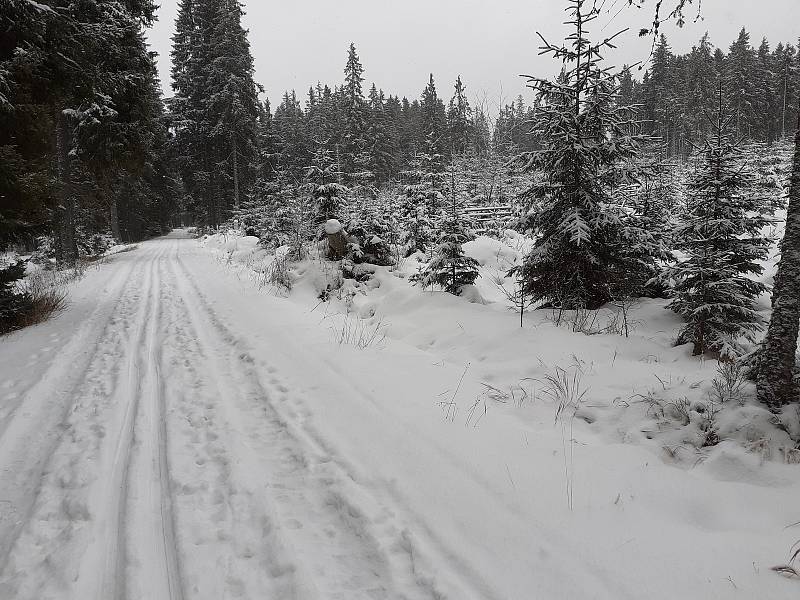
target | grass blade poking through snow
[{"x": 566, "y": 392}]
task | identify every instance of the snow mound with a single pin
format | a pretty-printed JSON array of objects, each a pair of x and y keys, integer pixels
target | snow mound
[{"x": 332, "y": 226}]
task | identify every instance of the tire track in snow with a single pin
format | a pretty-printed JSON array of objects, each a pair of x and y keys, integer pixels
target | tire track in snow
[{"x": 312, "y": 492}]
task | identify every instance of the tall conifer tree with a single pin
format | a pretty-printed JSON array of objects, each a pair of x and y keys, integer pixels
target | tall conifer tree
[{"x": 579, "y": 256}]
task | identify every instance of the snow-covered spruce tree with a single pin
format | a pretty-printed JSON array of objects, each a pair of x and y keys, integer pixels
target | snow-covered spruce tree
[
  {"x": 741, "y": 81},
  {"x": 417, "y": 233},
  {"x": 644, "y": 198},
  {"x": 581, "y": 255},
  {"x": 368, "y": 235},
  {"x": 722, "y": 243},
  {"x": 270, "y": 214},
  {"x": 418, "y": 206},
  {"x": 327, "y": 192},
  {"x": 232, "y": 105},
  {"x": 354, "y": 116},
  {"x": 433, "y": 126},
  {"x": 450, "y": 268},
  {"x": 459, "y": 120},
  {"x": 777, "y": 383},
  {"x": 379, "y": 139}
]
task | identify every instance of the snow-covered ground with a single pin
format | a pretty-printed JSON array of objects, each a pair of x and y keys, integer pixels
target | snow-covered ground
[{"x": 182, "y": 431}]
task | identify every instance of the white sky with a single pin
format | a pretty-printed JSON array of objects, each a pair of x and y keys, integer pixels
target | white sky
[{"x": 489, "y": 43}]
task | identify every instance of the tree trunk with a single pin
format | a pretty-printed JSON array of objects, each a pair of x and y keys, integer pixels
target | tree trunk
[
  {"x": 114, "y": 218},
  {"x": 235, "y": 171},
  {"x": 776, "y": 384},
  {"x": 65, "y": 229},
  {"x": 337, "y": 245}
]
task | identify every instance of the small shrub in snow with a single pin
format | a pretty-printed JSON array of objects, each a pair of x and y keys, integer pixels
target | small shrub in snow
[
  {"x": 45, "y": 250},
  {"x": 565, "y": 390},
  {"x": 29, "y": 301},
  {"x": 278, "y": 274},
  {"x": 48, "y": 296},
  {"x": 361, "y": 333},
  {"x": 619, "y": 322},
  {"x": 730, "y": 382},
  {"x": 95, "y": 244},
  {"x": 14, "y": 303}
]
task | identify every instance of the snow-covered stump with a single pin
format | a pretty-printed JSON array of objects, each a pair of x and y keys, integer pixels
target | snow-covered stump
[{"x": 337, "y": 239}]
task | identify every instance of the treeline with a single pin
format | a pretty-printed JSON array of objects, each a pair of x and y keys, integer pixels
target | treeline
[
  {"x": 232, "y": 148},
  {"x": 678, "y": 91},
  {"x": 362, "y": 136},
  {"x": 88, "y": 145},
  {"x": 84, "y": 140}
]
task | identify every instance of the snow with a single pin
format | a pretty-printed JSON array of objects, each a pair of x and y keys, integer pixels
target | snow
[
  {"x": 332, "y": 226},
  {"x": 182, "y": 431}
]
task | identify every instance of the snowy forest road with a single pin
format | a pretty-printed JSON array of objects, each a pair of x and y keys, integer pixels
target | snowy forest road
[
  {"x": 150, "y": 457},
  {"x": 179, "y": 433}
]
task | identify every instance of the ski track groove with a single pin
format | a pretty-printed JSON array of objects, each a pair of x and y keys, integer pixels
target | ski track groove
[
  {"x": 171, "y": 557},
  {"x": 113, "y": 580}
]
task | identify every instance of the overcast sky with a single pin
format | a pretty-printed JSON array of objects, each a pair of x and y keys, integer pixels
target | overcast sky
[{"x": 488, "y": 42}]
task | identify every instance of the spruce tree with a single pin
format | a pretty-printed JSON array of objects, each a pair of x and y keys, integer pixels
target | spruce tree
[
  {"x": 292, "y": 147},
  {"x": 379, "y": 139},
  {"x": 353, "y": 159},
  {"x": 722, "y": 243},
  {"x": 120, "y": 140},
  {"x": 194, "y": 154},
  {"x": 766, "y": 120},
  {"x": 459, "y": 120},
  {"x": 701, "y": 86},
  {"x": 79, "y": 130},
  {"x": 740, "y": 84},
  {"x": 232, "y": 101},
  {"x": 657, "y": 91},
  {"x": 328, "y": 194},
  {"x": 432, "y": 127},
  {"x": 450, "y": 268},
  {"x": 577, "y": 260}
]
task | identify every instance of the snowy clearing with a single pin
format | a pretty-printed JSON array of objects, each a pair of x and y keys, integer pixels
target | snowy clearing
[{"x": 179, "y": 433}]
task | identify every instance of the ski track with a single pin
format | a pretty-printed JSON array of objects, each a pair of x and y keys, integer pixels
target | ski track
[
  {"x": 36, "y": 424},
  {"x": 175, "y": 465}
]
